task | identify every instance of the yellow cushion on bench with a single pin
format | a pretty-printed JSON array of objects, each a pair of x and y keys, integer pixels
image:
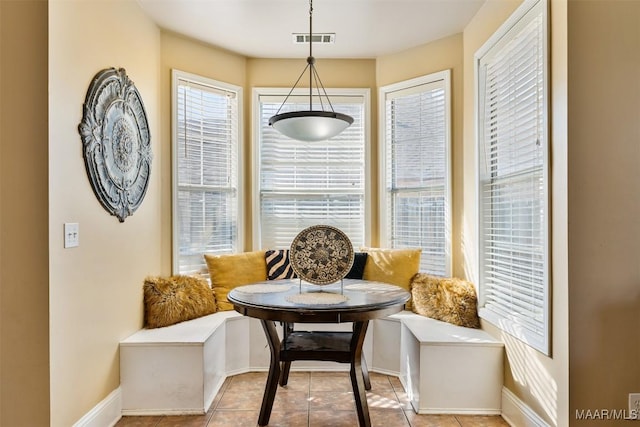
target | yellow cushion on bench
[
  {"x": 169, "y": 300},
  {"x": 447, "y": 299},
  {"x": 232, "y": 270},
  {"x": 394, "y": 266}
]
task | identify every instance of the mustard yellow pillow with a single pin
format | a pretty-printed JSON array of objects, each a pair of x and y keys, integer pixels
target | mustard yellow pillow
[
  {"x": 230, "y": 271},
  {"x": 169, "y": 300},
  {"x": 394, "y": 266}
]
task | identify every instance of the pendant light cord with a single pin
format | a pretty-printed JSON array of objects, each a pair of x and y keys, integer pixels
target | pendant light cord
[{"x": 313, "y": 74}]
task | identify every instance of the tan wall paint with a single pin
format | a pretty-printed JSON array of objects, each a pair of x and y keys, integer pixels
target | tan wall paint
[
  {"x": 335, "y": 73},
  {"x": 96, "y": 289},
  {"x": 604, "y": 204},
  {"x": 24, "y": 254},
  {"x": 444, "y": 54},
  {"x": 539, "y": 381},
  {"x": 190, "y": 56}
]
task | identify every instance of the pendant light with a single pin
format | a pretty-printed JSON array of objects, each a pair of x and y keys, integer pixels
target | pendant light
[{"x": 311, "y": 125}]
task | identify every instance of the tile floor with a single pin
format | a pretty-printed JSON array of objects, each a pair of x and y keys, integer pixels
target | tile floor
[{"x": 311, "y": 399}]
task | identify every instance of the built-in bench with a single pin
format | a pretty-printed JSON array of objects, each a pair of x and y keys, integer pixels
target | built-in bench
[
  {"x": 179, "y": 369},
  {"x": 175, "y": 369},
  {"x": 450, "y": 369}
]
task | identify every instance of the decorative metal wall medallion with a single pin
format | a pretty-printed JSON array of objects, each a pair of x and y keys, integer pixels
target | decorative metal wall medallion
[{"x": 116, "y": 142}]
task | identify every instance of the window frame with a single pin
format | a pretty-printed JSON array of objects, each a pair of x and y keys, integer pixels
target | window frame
[
  {"x": 384, "y": 231},
  {"x": 177, "y": 75},
  {"x": 523, "y": 15},
  {"x": 257, "y": 92}
]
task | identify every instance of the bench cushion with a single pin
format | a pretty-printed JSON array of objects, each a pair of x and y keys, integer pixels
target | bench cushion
[
  {"x": 194, "y": 332},
  {"x": 435, "y": 332}
]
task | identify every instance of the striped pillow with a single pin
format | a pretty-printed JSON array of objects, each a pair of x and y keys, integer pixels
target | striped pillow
[{"x": 278, "y": 266}]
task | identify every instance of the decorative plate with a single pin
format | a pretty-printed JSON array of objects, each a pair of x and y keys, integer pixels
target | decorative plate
[
  {"x": 321, "y": 254},
  {"x": 116, "y": 142}
]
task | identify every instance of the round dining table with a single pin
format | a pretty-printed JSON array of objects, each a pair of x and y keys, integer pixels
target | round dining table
[{"x": 295, "y": 301}]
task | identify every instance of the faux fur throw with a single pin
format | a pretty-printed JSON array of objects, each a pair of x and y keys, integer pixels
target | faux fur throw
[
  {"x": 169, "y": 300},
  {"x": 448, "y": 299}
]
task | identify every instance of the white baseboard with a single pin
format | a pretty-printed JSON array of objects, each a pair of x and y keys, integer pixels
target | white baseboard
[
  {"x": 384, "y": 371},
  {"x": 457, "y": 411},
  {"x": 104, "y": 414},
  {"x": 159, "y": 412},
  {"x": 519, "y": 414}
]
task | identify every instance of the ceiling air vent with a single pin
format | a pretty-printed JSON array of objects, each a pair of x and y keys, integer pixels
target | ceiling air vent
[{"x": 322, "y": 38}]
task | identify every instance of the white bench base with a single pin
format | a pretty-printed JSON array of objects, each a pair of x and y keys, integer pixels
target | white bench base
[
  {"x": 173, "y": 370},
  {"x": 179, "y": 369},
  {"x": 449, "y": 369}
]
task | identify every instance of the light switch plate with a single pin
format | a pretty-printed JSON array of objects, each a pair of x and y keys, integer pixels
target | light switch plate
[{"x": 71, "y": 234}]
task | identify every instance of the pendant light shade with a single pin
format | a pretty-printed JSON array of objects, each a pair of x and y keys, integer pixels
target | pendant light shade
[{"x": 311, "y": 125}]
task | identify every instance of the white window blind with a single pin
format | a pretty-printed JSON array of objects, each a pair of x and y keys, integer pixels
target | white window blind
[
  {"x": 309, "y": 183},
  {"x": 513, "y": 172},
  {"x": 206, "y": 170},
  {"x": 417, "y": 192}
]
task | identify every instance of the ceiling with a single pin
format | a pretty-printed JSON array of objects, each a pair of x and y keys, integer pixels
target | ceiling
[{"x": 263, "y": 28}]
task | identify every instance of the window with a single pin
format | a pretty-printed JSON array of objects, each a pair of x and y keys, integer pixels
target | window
[
  {"x": 309, "y": 183},
  {"x": 206, "y": 170},
  {"x": 513, "y": 177},
  {"x": 416, "y": 169}
]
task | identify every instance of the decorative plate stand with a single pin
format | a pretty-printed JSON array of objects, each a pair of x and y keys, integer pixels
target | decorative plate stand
[
  {"x": 116, "y": 142},
  {"x": 321, "y": 254}
]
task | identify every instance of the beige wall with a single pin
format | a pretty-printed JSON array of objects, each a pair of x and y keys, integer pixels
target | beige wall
[
  {"x": 539, "y": 381},
  {"x": 96, "y": 289},
  {"x": 604, "y": 204},
  {"x": 24, "y": 254},
  {"x": 444, "y": 54}
]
